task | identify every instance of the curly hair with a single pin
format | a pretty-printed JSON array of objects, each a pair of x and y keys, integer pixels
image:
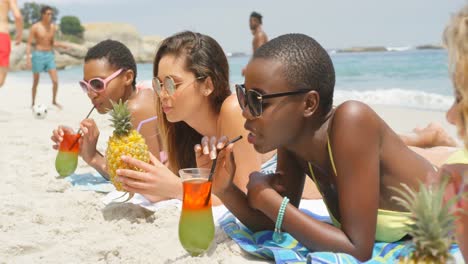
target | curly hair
[
  {"x": 116, "y": 53},
  {"x": 455, "y": 39}
]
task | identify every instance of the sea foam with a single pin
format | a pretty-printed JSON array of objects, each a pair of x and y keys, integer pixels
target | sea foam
[{"x": 397, "y": 97}]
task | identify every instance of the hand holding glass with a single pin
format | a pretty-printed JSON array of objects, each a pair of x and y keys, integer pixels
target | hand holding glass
[{"x": 67, "y": 156}]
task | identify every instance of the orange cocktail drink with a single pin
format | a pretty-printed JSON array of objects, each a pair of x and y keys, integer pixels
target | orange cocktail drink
[
  {"x": 67, "y": 156},
  {"x": 196, "y": 226}
]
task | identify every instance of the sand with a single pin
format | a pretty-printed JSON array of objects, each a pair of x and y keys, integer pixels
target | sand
[{"x": 46, "y": 220}]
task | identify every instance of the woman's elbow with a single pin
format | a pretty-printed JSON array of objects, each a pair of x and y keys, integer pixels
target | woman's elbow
[{"x": 363, "y": 255}]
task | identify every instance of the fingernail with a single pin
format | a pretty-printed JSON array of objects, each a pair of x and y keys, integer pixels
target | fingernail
[
  {"x": 213, "y": 154},
  {"x": 123, "y": 157},
  {"x": 205, "y": 150},
  {"x": 220, "y": 145}
]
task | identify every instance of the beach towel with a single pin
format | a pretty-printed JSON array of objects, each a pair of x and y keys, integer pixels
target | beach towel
[
  {"x": 290, "y": 251},
  {"x": 90, "y": 182},
  {"x": 140, "y": 200},
  {"x": 382, "y": 253}
]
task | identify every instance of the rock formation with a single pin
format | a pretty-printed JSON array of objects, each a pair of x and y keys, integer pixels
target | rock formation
[{"x": 143, "y": 48}]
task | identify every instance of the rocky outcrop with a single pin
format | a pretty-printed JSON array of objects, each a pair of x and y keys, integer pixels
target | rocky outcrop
[
  {"x": 429, "y": 47},
  {"x": 73, "y": 55},
  {"x": 142, "y": 48},
  {"x": 149, "y": 47},
  {"x": 18, "y": 56},
  {"x": 363, "y": 49}
]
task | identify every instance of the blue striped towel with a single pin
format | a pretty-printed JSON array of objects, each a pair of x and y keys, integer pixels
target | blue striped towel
[{"x": 290, "y": 251}]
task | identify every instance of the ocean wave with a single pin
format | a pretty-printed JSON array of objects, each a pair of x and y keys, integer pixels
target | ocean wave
[
  {"x": 403, "y": 48},
  {"x": 397, "y": 97}
]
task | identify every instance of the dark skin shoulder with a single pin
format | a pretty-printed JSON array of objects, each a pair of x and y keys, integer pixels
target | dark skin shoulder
[{"x": 391, "y": 162}]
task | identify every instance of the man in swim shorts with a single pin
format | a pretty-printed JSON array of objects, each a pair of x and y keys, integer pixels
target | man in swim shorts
[{"x": 43, "y": 60}]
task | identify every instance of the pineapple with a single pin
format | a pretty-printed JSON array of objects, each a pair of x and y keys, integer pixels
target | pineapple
[
  {"x": 431, "y": 223},
  {"x": 124, "y": 141}
]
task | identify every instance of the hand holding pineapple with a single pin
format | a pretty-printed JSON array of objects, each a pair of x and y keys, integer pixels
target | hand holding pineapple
[
  {"x": 153, "y": 180},
  {"x": 124, "y": 141}
]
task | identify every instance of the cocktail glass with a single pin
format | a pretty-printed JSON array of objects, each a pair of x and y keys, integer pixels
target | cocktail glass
[
  {"x": 196, "y": 226},
  {"x": 67, "y": 156}
]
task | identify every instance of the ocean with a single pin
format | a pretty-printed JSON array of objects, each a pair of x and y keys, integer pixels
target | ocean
[{"x": 410, "y": 78}]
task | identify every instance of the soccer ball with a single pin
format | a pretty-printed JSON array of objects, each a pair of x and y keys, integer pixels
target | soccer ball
[{"x": 39, "y": 111}]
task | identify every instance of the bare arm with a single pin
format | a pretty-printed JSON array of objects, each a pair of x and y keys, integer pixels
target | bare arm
[
  {"x": 289, "y": 181},
  {"x": 57, "y": 44},
  {"x": 32, "y": 31},
  {"x": 236, "y": 200},
  {"x": 265, "y": 193},
  {"x": 99, "y": 164},
  {"x": 18, "y": 20},
  {"x": 88, "y": 143}
]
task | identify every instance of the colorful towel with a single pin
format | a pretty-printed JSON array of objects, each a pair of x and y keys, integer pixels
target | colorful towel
[{"x": 290, "y": 251}]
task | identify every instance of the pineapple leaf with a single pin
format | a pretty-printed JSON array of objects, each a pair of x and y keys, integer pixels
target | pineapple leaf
[
  {"x": 431, "y": 224},
  {"x": 121, "y": 118}
]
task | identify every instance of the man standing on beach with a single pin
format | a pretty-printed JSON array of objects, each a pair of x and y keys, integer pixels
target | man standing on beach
[
  {"x": 43, "y": 59},
  {"x": 5, "y": 43},
  {"x": 259, "y": 35}
]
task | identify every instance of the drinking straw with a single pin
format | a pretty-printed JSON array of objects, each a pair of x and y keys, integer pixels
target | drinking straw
[{"x": 79, "y": 130}]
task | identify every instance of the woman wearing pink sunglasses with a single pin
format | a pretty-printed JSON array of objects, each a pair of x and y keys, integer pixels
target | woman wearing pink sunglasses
[{"x": 109, "y": 75}]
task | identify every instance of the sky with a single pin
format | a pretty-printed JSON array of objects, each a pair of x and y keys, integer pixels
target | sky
[{"x": 333, "y": 23}]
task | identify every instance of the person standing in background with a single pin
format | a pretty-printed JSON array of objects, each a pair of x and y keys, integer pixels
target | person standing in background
[
  {"x": 5, "y": 43},
  {"x": 259, "y": 36},
  {"x": 43, "y": 59}
]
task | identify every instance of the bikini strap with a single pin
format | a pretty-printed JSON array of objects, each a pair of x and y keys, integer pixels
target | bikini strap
[
  {"x": 313, "y": 178},
  {"x": 331, "y": 155},
  {"x": 331, "y": 160}
]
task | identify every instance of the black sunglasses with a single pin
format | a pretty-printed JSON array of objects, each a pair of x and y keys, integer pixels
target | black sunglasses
[{"x": 254, "y": 100}]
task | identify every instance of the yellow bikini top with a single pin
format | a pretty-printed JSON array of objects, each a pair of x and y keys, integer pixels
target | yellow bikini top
[{"x": 390, "y": 224}]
